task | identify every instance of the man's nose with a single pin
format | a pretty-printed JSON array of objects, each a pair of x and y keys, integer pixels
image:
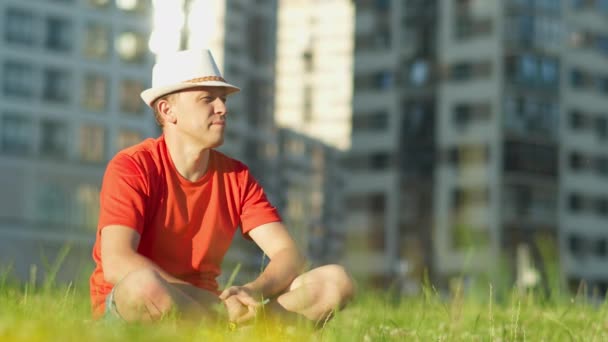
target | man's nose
[{"x": 220, "y": 107}]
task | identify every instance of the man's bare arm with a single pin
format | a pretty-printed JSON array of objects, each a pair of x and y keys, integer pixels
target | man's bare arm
[{"x": 286, "y": 262}]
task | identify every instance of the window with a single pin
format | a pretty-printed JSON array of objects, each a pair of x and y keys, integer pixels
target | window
[
  {"x": 131, "y": 46},
  {"x": 380, "y": 80},
  {"x": 96, "y": 43},
  {"x": 575, "y": 202},
  {"x": 578, "y": 79},
  {"x": 576, "y": 245},
  {"x": 371, "y": 122},
  {"x": 126, "y": 138},
  {"x": 467, "y": 155},
  {"x": 18, "y": 79},
  {"x": 419, "y": 73},
  {"x": 577, "y": 162},
  {"x": 130, "y": 102},
  {"x": 468, "y": 26},
  {"x": 379, "y": 161},
  {"x": 53, "y": 139},
  {"x": 601, "y": 248},
  {"x": 59, "y": 34},
  {"x": 468, "y": 71},
  {"x": 549, "y": 71},
  {"x": 603, "y": 84},
  {"x": 533, "y": 70},
  {"x": 85, "y": 205},
  {"x": 95, "y": 92},
  {"x": 92, "y": 143},
  {"x": 467, "y": 113},
  {"x": 17, "y": 132},
  {"x": 462, "y": 71},
  {"x": 530, "y": 158},
  {"x": 19, "y": 27},
  {"x": 56, "y": 85},
  {"x": 601, "y": 127},
  {"x": 259, "y": 37},
  {"x": 601, "y": 165},
  {"x": 470, "y": 197},
  {"x": 601, "y": 206},
  {"x": 525, "y": 115},
  {"x": 52, "y": 204},
  {"x": 578, "y": 120}
]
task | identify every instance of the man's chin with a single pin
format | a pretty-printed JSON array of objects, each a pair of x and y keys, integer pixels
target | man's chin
[{"x": 218, "y": 143}]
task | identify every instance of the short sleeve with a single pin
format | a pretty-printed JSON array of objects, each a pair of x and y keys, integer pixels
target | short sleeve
[
  {"x": 123, "y": 194},
  {"x": 256, "y": 210}
]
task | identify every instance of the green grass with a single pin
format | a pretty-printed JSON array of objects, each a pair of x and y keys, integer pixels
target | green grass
[
  {"x": 43, "y": 310},
  {"x": 62, "y": 313}
]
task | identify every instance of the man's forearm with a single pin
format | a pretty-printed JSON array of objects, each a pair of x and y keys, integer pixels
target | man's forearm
[
  {"x": 125, "y": 264},
  {"x": 120, "y": 265},
  {"x": 280, "y": 272}
]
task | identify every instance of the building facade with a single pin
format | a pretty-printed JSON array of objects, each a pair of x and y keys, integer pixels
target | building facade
[
  {"x": 489, "y": 121},
  {"x": 314, "y": 69},
  {"x": 71, "y": 75}
]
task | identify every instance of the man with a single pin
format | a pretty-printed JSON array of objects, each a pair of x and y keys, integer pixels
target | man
[{"x": 169, "y": 208}]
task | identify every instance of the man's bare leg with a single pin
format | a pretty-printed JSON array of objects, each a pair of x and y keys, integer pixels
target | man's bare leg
[
  {"x": 315, "y": 294},
  {"x": 144, "y": 295}
]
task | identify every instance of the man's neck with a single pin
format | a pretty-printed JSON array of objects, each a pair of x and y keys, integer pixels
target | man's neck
[{"x": 190, "y": 161}]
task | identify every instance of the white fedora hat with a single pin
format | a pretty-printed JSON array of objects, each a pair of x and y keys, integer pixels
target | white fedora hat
[{"x": 183, "y": 70}]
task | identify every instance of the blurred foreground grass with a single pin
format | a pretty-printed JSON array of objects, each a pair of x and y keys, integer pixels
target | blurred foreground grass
[{"x": 62, "y": 313}]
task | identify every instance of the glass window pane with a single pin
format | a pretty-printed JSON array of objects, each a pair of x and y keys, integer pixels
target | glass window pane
[
  {"x": 130, "y": 101},
  {"x": 52, "y": 203},
  {"x": 57, "y": 85},
  {"x": 92, "y": 143},
  {"x": 96, "y": 41},
  {"x": 131, "y": 47},
  {"x": 127, "y": 137},
  {"x": 59, "y": 34},
  {"x": 17, "y": 132},
  {"x": 18, "y": 79},
  {"x": 95, "y": 92},
  {"x": 53, "y": 139},
  {"x": 19, "y": 26}
]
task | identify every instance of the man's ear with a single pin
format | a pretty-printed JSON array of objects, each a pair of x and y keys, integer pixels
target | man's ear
[{"x": 165, "y": 109}]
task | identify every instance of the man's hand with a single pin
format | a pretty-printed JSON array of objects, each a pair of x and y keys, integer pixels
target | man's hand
[{"x": 240, "y": 303}]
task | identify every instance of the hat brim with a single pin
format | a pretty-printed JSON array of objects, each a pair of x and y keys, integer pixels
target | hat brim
[{"x": 152, "y": 94}]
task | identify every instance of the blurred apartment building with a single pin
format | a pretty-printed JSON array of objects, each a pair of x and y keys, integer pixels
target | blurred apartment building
[
  {"x": 479, "y": 130},
  {"x": 71, "y": 72},
  {"x": 312, "y": 108},
  {"x": 311, "y": 202},
  {"x": 314, "y": 69}
]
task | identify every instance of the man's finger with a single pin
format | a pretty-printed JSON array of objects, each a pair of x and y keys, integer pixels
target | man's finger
[
  {"x": 247, "y": 300},
  {"x": 248, "y": 316},
  {"x": 227, "y": 293}
]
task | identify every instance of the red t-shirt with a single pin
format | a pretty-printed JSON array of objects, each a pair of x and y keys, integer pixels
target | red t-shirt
[{"x": 185, "y": 227}]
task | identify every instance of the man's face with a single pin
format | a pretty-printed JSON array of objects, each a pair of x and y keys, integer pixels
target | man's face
[{"x": 201, "y": 115}]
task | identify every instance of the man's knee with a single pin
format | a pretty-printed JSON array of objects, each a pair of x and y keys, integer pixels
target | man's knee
[
  {"x": 142, "y": 294},
  {"x": 337, "y": 275}
]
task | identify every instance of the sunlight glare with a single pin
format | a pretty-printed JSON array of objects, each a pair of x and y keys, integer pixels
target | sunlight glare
[
  {"x": 168, "y": 21},
  {"x": 202, "y": 23}
]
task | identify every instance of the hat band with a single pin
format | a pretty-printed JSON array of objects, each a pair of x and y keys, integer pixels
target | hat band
[{"x": 206, "y": 78}]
